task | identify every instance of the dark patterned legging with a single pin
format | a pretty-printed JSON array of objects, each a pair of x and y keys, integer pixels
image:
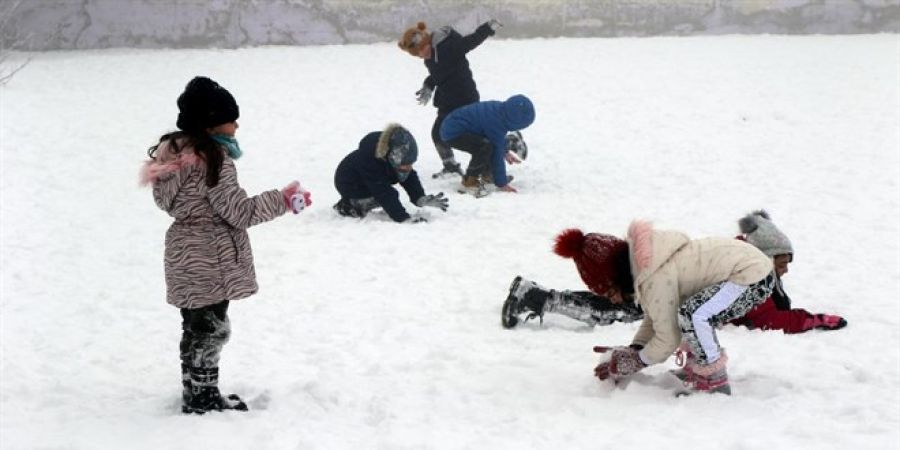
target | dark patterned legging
[
  {"x": 443, "y": 148},
  {"x": 591, "y": 308},
  {"x": 713, "y": 306},
  {"x": 204, "y": 332}
]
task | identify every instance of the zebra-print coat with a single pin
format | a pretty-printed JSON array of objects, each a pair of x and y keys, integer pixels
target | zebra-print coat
[{"x": 208, "y": 257}]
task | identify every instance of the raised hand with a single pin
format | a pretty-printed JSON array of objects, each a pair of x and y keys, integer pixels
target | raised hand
[{"x": 424, "y": 95}]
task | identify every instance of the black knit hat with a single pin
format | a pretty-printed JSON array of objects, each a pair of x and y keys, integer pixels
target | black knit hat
[{"x": 204, "y": 104}]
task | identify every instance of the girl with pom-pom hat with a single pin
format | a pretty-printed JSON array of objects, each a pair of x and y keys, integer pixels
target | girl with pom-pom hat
[{"x": 685, "y": 288}]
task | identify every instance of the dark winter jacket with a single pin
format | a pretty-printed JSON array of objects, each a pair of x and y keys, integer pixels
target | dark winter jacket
[
  {"x": 448, "y": 68},
  {"x": 207, "y": 257},
  {"x": 366, "y": 173},
  {"x": 491, "y": 119}
]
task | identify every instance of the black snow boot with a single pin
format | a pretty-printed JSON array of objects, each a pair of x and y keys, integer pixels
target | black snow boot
[
  {"x": 205, "y": 395},
  {"x": 524, "y": 297}
]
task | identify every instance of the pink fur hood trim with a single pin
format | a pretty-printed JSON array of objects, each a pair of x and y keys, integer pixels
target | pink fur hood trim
[
  {"x": 640, "y": 234},
  {"x": 166, "y": 162}
]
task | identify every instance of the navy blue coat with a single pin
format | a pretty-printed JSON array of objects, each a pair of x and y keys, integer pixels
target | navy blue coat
[
  {"x": 361, "y": 175},
  {"x": 448, "y": 68}
]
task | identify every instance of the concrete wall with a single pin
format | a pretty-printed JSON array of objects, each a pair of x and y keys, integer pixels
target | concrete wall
[{"x": 86, "y": 24}]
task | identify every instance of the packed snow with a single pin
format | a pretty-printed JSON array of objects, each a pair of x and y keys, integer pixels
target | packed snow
[{"x": 372, "y": 334}]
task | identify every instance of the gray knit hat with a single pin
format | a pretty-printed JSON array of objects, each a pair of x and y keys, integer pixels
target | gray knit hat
[{"x": 764, "y": 235}]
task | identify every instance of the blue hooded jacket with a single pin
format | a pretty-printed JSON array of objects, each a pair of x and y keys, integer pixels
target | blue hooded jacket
[
  {"x": 366, "y": 172},
  {"x": 491, "y": 119}
]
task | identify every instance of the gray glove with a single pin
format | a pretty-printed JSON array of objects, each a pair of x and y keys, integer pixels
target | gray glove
[
  {"x": 424, "y": 95},
  {"x": 495, "y": 24},
  {"x": 434, "y": 201}
]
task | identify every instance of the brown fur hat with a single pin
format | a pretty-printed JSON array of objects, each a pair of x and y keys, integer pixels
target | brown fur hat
[{"x": 415, "y": 39}]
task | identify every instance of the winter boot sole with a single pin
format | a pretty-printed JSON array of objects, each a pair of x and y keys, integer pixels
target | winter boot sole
[
  {"x": 231, "y": 402},
  {"x": 507, "y": 318},
  {"x": 725, "y": 390},
  {"x": 475, "y": 192}
]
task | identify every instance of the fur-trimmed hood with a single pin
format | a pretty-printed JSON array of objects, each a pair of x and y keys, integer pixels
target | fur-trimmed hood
[
  {"x": 651, "y": 248},
  {"x": 167, "y": 162},
  {"x": 384, "y": 141}
]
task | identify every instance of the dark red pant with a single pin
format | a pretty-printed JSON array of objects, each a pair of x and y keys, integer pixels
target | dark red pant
[{"x": 766, "y": 316}]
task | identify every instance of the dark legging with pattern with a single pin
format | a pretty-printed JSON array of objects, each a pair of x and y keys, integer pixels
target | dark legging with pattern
[
  {"x": 204, "y": 332},
  {"x": 713, "y": 306},
  {"x": 443, "y": 148}
]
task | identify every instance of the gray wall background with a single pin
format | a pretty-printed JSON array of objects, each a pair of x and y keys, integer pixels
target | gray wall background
[{"x": 90, "y": 24}]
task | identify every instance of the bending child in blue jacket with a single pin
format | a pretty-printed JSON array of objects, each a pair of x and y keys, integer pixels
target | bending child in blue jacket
[{"x": 480, "y": 130}]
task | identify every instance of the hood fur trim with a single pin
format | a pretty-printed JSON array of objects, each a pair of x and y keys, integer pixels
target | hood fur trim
[
  {"x": 640, "y": 233},
  {"x": 384, "y": 141},
  {"x": 167, "y": 162}
]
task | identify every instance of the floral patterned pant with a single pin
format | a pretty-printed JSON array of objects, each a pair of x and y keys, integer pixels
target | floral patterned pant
[{"x": 712, "y": 307}]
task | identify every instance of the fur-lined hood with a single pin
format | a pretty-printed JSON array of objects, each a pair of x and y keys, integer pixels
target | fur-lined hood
[
  {"x": 167, "y": 162},
  {"x": 650, "y": 248},
  {"x": 383, "y": 146}
]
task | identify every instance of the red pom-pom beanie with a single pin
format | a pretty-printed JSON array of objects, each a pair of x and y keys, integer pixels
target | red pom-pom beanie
[{"x": 601, "y": 259}]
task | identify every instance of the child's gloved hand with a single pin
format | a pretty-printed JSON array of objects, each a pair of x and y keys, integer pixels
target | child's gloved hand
[
  {"x": 624, "y": 361},
  {"x": 300, "y": 201},
  {"x": 495, "y": 24},
  {"x": 424, "y": 95},
  {"x": 295, "y": 197},
  {"x": 824, "y": 322},
  {"x": 434, "y": 201}
]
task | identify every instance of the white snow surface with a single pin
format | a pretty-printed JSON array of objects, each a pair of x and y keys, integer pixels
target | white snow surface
[{"x": 372, "y": 334}]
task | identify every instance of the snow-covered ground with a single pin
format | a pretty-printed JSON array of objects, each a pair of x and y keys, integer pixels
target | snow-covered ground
[{"x": 371, "y": 334}]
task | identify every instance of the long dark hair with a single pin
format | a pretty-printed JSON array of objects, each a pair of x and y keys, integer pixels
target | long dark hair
[{"x": 204, "y": 146}]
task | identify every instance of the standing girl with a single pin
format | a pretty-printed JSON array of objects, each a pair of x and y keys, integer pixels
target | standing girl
[{"x": 208, "y": 260}]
